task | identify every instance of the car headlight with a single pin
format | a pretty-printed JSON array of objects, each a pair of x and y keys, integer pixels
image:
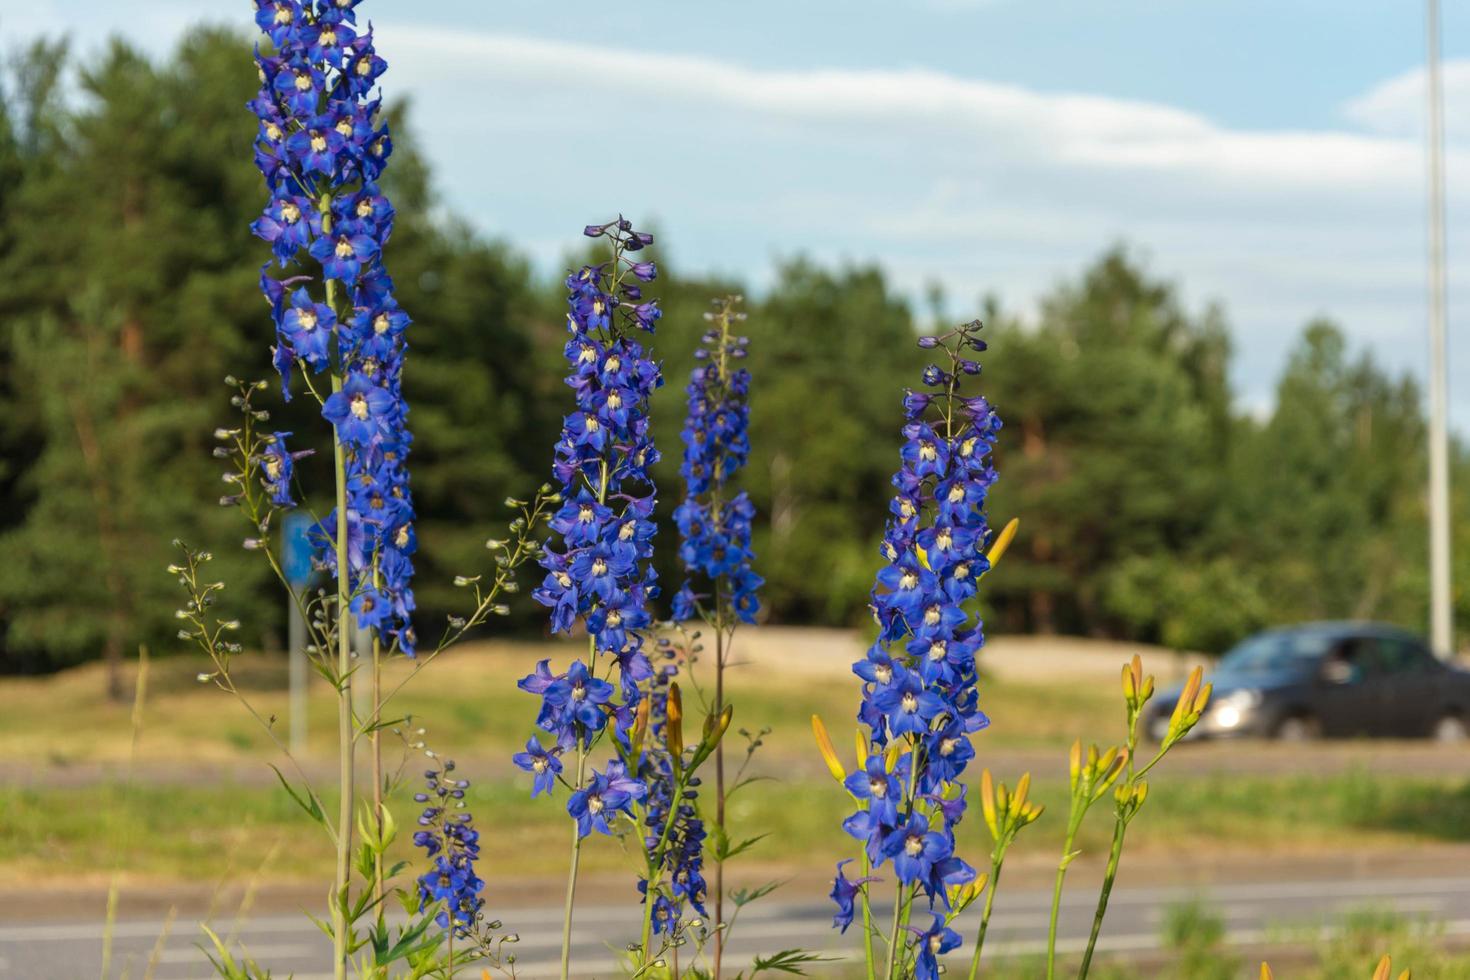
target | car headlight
[{"x": 1230, "y": 709}]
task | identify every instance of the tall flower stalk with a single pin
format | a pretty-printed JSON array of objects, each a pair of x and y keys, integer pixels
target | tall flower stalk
[
  {"x": 598, "y": 570},
  {"x": 321, "y": 148},
  {"x": 920, "y": 704},
  {"x": 714, "y": 523}
]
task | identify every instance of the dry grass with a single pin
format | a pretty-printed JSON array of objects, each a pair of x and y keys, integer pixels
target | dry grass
[{"x": 468, "y": 700}]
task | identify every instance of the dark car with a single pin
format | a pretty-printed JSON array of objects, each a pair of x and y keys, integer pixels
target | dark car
[{"x": 1330, "y": 679}]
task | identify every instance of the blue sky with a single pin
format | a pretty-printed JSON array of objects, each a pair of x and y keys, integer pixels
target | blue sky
[{"x": 1265, "y": 155}]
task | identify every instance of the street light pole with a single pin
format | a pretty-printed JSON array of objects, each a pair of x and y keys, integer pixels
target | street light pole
[{"x": 1440, "y": 623}]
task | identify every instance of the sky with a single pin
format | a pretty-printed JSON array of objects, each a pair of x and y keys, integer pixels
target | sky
[{"x": 1267, "y": 156}]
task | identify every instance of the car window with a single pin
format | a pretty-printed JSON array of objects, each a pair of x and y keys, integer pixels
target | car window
[
  {"x": 1271, "y": 652},
  {"x": 1394, "y": 657}
]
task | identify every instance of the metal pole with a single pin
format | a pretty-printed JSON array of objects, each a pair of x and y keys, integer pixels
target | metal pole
[
  {"x": 297, "y": 659},
  {"x": 1441, "y": 634}
]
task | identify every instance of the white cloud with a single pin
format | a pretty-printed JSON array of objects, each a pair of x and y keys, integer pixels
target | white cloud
[
  {"x": 1396, "y": 106},
  {"x": 982, "y": 185}
]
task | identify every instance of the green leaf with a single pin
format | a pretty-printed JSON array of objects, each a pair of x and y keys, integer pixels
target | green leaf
[
  {"x": 309, "y": 803},
  {"x": 787, "y": 961},
  {"x": 744, "y": 896}
]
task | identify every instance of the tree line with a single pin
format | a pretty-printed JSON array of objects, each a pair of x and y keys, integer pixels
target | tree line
[{"x": 1152, "y": 507}]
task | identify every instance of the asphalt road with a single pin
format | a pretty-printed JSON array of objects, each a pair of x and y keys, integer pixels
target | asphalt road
[{"x": 1257, "y": 914}]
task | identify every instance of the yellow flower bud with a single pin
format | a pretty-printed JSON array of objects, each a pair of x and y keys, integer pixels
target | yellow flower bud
[
  {"x": 824, "y": 746},
  {"x": 1002, "y": 541},
  {"x": 674, "y": 728}
]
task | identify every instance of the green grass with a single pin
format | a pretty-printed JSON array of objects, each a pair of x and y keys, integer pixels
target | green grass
[{"x": 199, "y": 832}]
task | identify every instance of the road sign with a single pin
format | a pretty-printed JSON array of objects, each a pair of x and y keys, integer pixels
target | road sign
[{"x": 296, "y": 548}]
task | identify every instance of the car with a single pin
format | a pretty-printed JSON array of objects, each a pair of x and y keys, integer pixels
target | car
[{"x": 1329, "y": 680}]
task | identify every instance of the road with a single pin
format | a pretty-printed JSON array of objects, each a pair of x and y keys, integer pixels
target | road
[{"x": 1257, "y": 914}]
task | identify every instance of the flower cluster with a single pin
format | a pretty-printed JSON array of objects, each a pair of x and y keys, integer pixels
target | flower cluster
[
  {"x": 322, "y": 148},
  {"x": 681, "y": 855},
  {"x": 715, "y": 531},
  {"x": 453, "y": 846},
  {"x": 919, "y": 697},
  {"x": 601, "y": 572}
]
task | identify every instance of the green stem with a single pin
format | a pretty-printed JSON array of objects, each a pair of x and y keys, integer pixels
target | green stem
[
  {"x": 1073, "y": 823},
  {"x": 1119, "y": 829},
  {"x": 566, "y": 921},
  {"x": 990, "y": 888},
  {"x": 655, "y": 864},
  {"x": 899, "y": 916},
  {"x": 719, "y": 709},
  {"x": 868, "y": 918},
  {"x": 342, "y": 882}
]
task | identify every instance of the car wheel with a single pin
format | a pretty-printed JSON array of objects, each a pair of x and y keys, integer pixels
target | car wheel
[
  {"x": 1451, "y": 728},
  {"x": 1298, "y": 728}
]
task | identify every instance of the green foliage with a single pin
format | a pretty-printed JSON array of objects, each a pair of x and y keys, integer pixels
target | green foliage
[{"x": 1151, "y": 508}]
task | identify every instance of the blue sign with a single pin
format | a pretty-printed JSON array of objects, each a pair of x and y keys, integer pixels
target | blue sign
[{"x": 296, "y": 548}]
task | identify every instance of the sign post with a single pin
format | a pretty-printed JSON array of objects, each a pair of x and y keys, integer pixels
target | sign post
[{"x": 296, "y": 563}]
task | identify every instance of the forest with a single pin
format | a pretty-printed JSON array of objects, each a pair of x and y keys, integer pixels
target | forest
[{"x": 1152, "y": 505}]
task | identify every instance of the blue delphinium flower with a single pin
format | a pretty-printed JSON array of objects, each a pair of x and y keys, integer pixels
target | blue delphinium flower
[
  {"x": 714, "y": 524},
  {"x": 919, "y": 696},
  {"x": 937, "y": 939},
  {"x": 452, "y": 846},
  {"x": 683, "y": 852},
  {"x": 844, "y": 893},
  {"x": 322, "y": 147},
  {"x": 278, "y": 467},
  {"x": 598, "y": 565}
]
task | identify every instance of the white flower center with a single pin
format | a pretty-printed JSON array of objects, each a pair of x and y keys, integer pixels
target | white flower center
[
  {"x": 359, "y": 406},
  {"x": 318, "y": 142},
  {"x": 927, "y": 452},
  {"x": 290, "y": 212},
  {"x": 913, "y": 844},
  {"x": 910, "y": 702}
]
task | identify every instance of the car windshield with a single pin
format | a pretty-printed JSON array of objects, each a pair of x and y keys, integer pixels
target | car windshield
[{"x": 1271, "y": 653}]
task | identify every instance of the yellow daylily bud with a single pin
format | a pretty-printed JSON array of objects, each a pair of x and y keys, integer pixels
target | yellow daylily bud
[
  {"x": 674, "y": 729},
  {"x": 923, "y": 557},
  {"x": 1075, "y": 762},
  {"x": 1002, "y": 541},
  {"x": 1385, "y": 965},
  {"x": 890, "y": 758},
  {"x": 1266, "y": 973},
  {"x": 1185, "y": 707},
  {"x": 824, "y": 746},
  {"x": 987, "y": 801},
  {"x": 640, "y": 726},
  {"x": 726, "y": 717},
  {"x": 861, "y": 741},
  {"x": 1202, "y": 700},
  {"x": 1022, "y": 788}
]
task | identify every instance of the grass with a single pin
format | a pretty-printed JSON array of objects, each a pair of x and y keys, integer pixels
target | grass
[
  {"x": 196, "y": 828},
  {"x": 198, "y": 832},
  {"x": 467, "y": 698}
]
